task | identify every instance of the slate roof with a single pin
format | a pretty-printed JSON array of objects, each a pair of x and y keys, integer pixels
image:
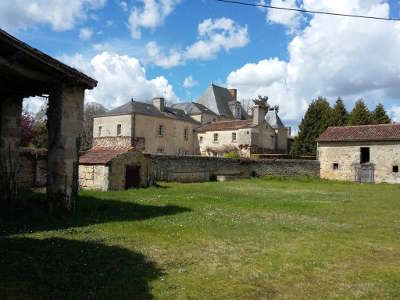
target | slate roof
[
  {"x": 273, "y": 119},
  {"x": 225, "y": 125},
  {"x": 101, "y": 156},
  {"x": 217, "y": 99},
  {"x": 150, "y": 110},
  {"x": 384, "y": 132},
  {"x": 192, "y": 108}
]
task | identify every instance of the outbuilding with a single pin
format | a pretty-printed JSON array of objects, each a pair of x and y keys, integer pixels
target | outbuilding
[
  {"x": 366, "y": 154},
  {"x": 114, "y": 169}
]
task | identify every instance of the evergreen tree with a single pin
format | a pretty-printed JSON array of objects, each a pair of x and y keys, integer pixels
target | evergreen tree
[
  {"x": 317, "y": 119},
  {"x": 360, "y": 114},
  {"x": 339, "y": 114},
  {"x": 379, "y": 115}
]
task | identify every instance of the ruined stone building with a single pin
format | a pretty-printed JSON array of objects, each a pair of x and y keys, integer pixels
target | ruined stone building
[
  {"x": 27, "y": 72},
  {"x": 366, "y": 154}
]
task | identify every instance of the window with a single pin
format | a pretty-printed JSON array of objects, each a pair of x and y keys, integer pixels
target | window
[
  {"x": 186, "y": 134},
  {"x": 201, "y": 139},
  {"x": 364, "y": 155},
  {"x": 395, "y": 169},
  {"x": 100, "y": 129},
  {"x": 233, "y": 137},
  {"x": 160, "y": 130},
  {"x": 215, "y": 137},
  {"x": 160, "y": 150},
  {"x": 119, "y": 127},
  {"x": 335, "y": 166}
]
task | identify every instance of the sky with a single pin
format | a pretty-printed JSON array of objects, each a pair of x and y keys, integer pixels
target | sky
[{"x": 175, "y": 48}]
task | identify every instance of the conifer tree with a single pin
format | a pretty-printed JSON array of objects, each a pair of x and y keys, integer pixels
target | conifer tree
[
  {"x": 360, "y": 114},
  {"x": 379, "y": 115},
  {"x": 339, "y": 114},
  {"x": 316, "y": 120}
]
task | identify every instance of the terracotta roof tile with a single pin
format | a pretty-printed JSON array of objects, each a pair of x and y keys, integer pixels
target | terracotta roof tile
[
  {"x": 384, "y": 132},
  {"x": 101, "y": 156},
  {"x": 225, "y": 125}
]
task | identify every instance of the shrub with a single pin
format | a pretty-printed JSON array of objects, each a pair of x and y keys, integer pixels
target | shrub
[{"x": 232, "y": 154}]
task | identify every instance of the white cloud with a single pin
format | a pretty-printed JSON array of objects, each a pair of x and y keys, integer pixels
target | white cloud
[
  {"x": 395, "y": 113},
  {"x": 124, "y": 6},
  {"x": 190, "y": 82},
  {"x": 21, "y": 14},
  {"x": 120, "y": 78},
  {"x": 150, "y": 15},
  {"x": 330, "y": 57},
  {"x": 160, "y": 59},
  {"x": 214, "y": 36},
  {"x": 85, "y": 34},
  {"x": 290, "y": 19}
]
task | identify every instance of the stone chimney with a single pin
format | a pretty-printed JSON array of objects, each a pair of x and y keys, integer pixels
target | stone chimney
[
  {"x": 159, "y": 103},
  {"x": 258, "y": 114},
  {"x": 233, "y": 93}
]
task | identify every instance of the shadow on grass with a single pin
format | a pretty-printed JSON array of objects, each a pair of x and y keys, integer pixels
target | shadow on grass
[
  {"x": 92, "y": 210},
  {"x": 68, "y": 269}
]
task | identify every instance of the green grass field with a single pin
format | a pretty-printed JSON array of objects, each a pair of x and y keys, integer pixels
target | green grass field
[{"x": 249, "y": 239}]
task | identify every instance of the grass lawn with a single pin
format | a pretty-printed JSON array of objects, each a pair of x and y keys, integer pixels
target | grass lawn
[{"x": 249, "y": 239}]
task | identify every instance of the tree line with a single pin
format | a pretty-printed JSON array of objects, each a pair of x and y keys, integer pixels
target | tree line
[{"x": 320, "y": 115}]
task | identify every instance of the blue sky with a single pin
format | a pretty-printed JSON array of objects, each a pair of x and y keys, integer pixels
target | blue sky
[{"x": 144, "y": 48}]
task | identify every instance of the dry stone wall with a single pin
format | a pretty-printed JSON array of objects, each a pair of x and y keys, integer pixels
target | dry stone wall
[{"x": 199, "y": 169}]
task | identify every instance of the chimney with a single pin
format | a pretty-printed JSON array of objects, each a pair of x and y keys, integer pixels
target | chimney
[
  {"x": 159, "y": 102},
  {"x": 258, "y": 114},
  {"x": 233, "y": 93}
]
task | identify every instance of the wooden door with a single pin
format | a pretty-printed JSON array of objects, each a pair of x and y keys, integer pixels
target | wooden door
[{"x": 132, "y": 177}]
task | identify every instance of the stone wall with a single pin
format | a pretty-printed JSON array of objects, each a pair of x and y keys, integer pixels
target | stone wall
[
  {"x": 198, "y": 169},
  {"x": 32, "y": 171},
  {"x": 383, "y": 156},
  {"x": 94, "y": 177}
]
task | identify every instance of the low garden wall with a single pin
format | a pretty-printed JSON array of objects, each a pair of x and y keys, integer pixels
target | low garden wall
[{"x": 198, "y": 169}]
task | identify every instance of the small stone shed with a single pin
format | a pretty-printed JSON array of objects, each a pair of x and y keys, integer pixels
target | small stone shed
[
  {"x": 114, "y": 169},
  {"x": 366, "y": 154},
  {"x": 28, "y": 72}
]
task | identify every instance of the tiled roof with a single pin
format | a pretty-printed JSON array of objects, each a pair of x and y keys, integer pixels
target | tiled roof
[
  {"x": 384, "y": 132},
  {"x": 192, "y": 108},
  {"x": 16, "y": 46},
  {"x": 101, "y": 156},
  {"x": 225, "y": 125},
  {"x": 150, "y": 110}
]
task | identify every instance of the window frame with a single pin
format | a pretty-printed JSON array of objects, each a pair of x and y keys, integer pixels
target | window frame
[
  {"x": 186, "y": 134},
  {"x": 234, "y": 134},
  {"x": 119, "y": 129},
  {"x": 160, "y": 130},
  {"x": 99, "y": 131},
  {"x": 335, "y": 166},
  {"x": 215, "y": 137}
]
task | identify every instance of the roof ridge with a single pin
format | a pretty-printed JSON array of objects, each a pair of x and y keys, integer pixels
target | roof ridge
[{"x": 367, "y": 125}]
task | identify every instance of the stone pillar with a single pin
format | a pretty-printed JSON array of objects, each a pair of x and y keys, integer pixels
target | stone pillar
[
  {"x": 10, "y": 135},
  {"x": 65, "y": 120}
]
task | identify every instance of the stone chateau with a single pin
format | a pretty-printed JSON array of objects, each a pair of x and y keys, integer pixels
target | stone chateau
[{"x": 212, "y": 126}]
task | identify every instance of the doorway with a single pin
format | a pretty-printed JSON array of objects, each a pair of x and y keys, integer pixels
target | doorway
[{"x": 132, "y": 177}]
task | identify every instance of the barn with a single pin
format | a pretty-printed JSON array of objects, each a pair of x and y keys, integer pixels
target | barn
[
  {"x": 114, "y": 169},
  {"x": 365, "y": 154}
]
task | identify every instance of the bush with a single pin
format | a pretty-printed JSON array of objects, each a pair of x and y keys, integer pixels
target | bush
[{"x": 232, "y": 154}]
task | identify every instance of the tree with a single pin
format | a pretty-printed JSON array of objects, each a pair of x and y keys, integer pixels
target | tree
[
  {"x": 92, "y": 109},
  {"x": 317, "y": 119},
  {"x": 379, "y": 115},
  {"x": 40, "y": 137},
  {"x": 27, "y": 129},
  {"x": 339, "y": 113},
  {"x": 360, "y": 114}
]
